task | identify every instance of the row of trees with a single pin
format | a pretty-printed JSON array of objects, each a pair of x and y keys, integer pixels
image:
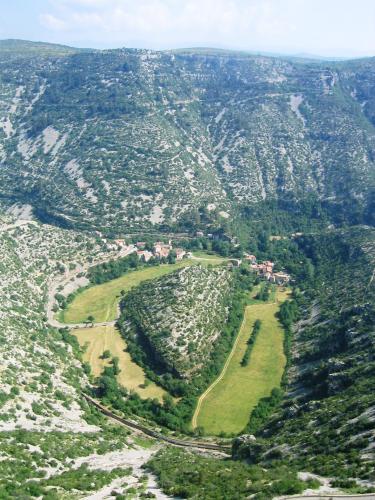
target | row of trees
[{"x": 251, "y": 342}]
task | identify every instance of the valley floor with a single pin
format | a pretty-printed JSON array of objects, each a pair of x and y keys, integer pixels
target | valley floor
[
  {"x": 98, "y": 339},
  {"x": 226, "y": 405},
  {"x": 101, "y": 301}
]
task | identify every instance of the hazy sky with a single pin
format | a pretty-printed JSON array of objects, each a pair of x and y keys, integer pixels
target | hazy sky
[{"x": 325, "y": 27}]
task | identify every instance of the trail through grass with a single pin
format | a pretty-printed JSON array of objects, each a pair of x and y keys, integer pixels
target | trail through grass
[
  {"x": 101, "y": 338},
  {"x": 228, "y": 402}
]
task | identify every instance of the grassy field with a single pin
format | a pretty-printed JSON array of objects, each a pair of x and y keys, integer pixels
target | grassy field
[
  {"x": 101, "y": 338},
  {"x": 227, "y": 406},
  {"x": 101, "y": 301},
  {"x": 208, "y": 256}
]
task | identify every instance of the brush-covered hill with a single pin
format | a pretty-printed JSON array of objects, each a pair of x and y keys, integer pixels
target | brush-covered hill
[
  {"x": 327, "y": 419},
  {"x": 179, "y": 317},
  {"x": 126, "y": 140},
  {"x": 52, "y": 444}
]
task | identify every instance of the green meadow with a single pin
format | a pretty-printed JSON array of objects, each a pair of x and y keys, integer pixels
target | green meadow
[
  {"x": 101, "y": 301},
  {"x": 227, "y": 404}
]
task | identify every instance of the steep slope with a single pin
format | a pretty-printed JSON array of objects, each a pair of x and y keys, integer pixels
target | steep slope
[
  {"x": 52, "y": 444},
  {"x": 179, "y": 316},
  {"x": 131, "y": 139},
  {"x": 39, "y": 375},
  {"x": 327, "y": 421}
]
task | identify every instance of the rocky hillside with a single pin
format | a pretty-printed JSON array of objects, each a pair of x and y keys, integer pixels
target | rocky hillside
[
  {"x": 327, "y": 420},
  {"x": 52, "y": 444},
  {"x": 179, "y": 316},
  {"x": 39, "y": 374},
  {"x": 132, "y": 139}
]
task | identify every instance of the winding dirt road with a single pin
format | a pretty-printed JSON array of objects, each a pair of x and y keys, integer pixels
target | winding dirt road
[{"x": 56, "y": 282}]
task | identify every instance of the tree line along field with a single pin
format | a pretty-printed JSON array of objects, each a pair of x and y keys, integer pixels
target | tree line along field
[
  {"x": 238, "y": 388},
  {"x": 101, "y": 301},
  {"x": 226, "y": 408},
  {"x": 99, "y": 339}
]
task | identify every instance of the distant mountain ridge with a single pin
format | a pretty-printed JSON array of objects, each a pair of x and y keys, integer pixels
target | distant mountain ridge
[
  {"x": 13, "y": 45},
  {"x": 141, "y": 139}
]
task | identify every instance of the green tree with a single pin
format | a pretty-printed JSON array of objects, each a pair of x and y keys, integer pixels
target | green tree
[
  {"x": 91, "y": 319},
  {"x": 106, "y": 354}
]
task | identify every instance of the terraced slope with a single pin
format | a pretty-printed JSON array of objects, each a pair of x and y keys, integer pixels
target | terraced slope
[
  {"x": 179, "y": 316},
  {"x": 124, "y": 140}
]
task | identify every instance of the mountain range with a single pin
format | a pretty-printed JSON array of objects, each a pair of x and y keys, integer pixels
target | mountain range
[{"x": 239, "y": 158}]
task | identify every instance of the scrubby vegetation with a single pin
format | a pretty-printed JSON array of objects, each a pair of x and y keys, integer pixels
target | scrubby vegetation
[
  {"x": 178, "y": 318},
  {"x": 36, "y": 464},
  {"x": 33, "y": 256},
  {"x": 127, "y": 140},
  {"x": 331, "y": 377},
  {"x": 187, "y": 475},
  {"x": 47, "y": 433},
  {"x": 238, "y": 153}
]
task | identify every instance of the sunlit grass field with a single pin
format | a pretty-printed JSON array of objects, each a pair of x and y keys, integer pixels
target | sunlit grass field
[
  {"x": 227, "y": 407},
  {"x": 101, "y": 338},
  {"x": 101, "y": 301}
]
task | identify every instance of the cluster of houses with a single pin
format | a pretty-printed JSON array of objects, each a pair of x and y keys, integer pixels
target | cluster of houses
[
  {"x": 263, "y": 269},
  {"x": 160, "y": 250}
]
